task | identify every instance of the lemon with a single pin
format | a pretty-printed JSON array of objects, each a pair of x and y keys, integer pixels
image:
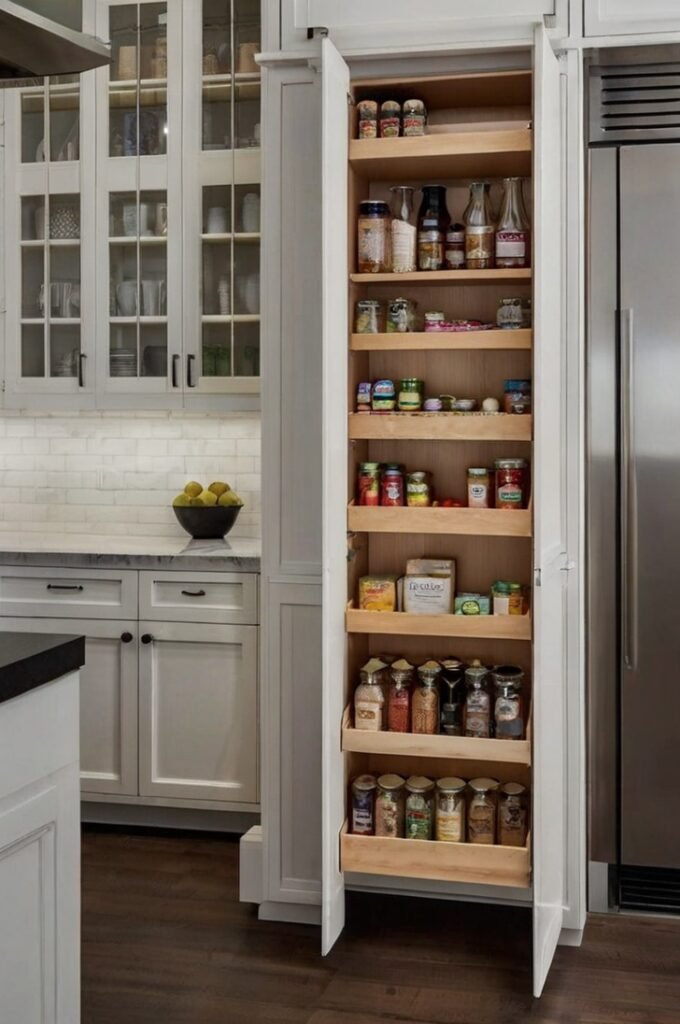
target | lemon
[
  {"x": 208, "y": 498},
  {"x": 193, "y": 489},
  {"x": 229, "y": 499},
  {"x": 219, "y": 488},
  {"x": 182, "y": 500},
  {"x": 196, "y": 502}
]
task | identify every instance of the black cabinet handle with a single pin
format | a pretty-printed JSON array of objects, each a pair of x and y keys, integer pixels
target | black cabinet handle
[
  {"x": 126, "y": 637},
  {"x": 64, "y": 586},
  {"x": 194, "y": 593},
  {"x": 175, "y": 364},
  {"x": 147, "y": 638},
  {"x": 81, "y": 369},
  {"x": 190, "y": 362}
]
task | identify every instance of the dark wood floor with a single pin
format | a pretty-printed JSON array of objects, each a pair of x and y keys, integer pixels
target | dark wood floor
[{"x": 165, "y": 941}]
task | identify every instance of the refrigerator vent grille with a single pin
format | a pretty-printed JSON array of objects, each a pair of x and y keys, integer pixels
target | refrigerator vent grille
[
  {"x": 635, "y": 103},
  {"x": 651, "y": 889}
]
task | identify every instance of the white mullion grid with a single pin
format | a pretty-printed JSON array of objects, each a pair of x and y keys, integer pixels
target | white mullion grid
[{"x": 47, "y": 261}]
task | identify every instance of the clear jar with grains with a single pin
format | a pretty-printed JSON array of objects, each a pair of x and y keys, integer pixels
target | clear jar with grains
[
  {"x": 450, "y": 810},
  {"x": 478, "y": 719},
  {"x": 390, "y": 807},
  {"x": 399, "y": 697},
  {"x": 508, "y": 704},
  {"x": 512, "y": 815},
  {"x": 425, "y": 701},
  {"x": 369, "y": 697},
  {"x": 419, "y": 808},
  {"x": 481, "y": 812},
  {"x": 374, "y": 236}
]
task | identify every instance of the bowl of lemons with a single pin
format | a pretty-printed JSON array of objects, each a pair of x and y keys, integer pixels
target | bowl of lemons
[{"x": 207, "y": 513}]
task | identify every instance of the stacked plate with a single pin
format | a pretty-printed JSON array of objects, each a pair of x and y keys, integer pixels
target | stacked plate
[
  {"x": 66, "y": 365},
  {"x": 123, "y": 363}
]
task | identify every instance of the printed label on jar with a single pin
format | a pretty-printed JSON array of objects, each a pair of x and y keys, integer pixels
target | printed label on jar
[
  {"x": 510, "y": 494},
  {"x": 450, "y": 826},
  {"x": 418, "y": 825},
  {"x": 479, "y": 243},
  {"x": 368, "y": 129},
  {"x": 430, "y": 250},
  {"x": 362, "y": 821},
  {"x": 511, "y": 245},
  {"x": 414, "y": 124},
  {"x": 409, "y": 401},
  {"x": 478, "y": 496},
  {"x": 389, "y": 127}
]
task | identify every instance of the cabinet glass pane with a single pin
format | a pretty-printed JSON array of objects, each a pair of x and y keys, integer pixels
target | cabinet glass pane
[
  {"x": 138, "y": 121},
  {"x": 64, "y": 100},
  {"x": 32, "y": 283},
  {"x": 216, "y": 70},
  {"x": 246, "y": 278},
  {"x": 247, "y": 35},
  {"x": 216, "y": 278},
  {"x": 65, "y": 282},
  {"x": 153, "y": 344},
  {"x": 33, "y": 126},
  {"x": 216, "y": 350},
  {"x": 247, "y": 209},
  {"x": 32, "y": 350},
  {"x": 64, "y": 350},
  {"x": 246, "y": 350},
  {"x": 123, "y": 350},
  {"x": 247, "y": 113},
  {"x": 32, "y": 218}
]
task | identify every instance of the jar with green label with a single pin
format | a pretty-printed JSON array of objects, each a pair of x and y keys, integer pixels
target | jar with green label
[
  {"x": 411, "y": 395},
  {"x": 419, "y": 807}
]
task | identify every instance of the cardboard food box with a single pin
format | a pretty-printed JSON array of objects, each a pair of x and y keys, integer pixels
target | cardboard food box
[
  {"x": 378, "y": 593},
  {"x": 428, "y": 595},
  {"x": 472, "y": 604}
]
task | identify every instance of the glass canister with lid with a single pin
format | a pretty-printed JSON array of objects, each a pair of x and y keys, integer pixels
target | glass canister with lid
[
  {"x": 369, "y": 697},
  {"x": 512, "y": 815},
  {"x": 450, "y": 810},
  {"x": 374, "y": 254},
  {"x": 419, "y": 807},
  {"x": 508, "y": 704},
  {"x": 478, "y": 718},
  {"x": 481, "y": 812},
  {"x": 410, "y": 395},
  {"x": 425, "y": 701},
  {"x": 363, "y": 806},
  {"x": 399, "y": 697},
  {"x": 451, "y": 688},
  {"x": 389, "y": 807}
]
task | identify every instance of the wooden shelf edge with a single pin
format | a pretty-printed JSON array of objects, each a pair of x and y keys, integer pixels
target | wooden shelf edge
[
  {"x": 446, "y": 276},
  {"x": 478, "y": 627},
  {"x": 439, "y": 426},
  {"x": 471, "y": 522},
  {"x": 461, "y": 143},
  {"x": 438, "y": 341}
]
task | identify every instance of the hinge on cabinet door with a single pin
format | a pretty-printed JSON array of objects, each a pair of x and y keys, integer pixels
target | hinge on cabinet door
[
  {"x": 568, "y": 566},
  {"x": 317, "y": 30}
]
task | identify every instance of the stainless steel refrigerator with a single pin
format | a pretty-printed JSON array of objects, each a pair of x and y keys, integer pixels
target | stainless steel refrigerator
[{"x": 633, "y": 484}]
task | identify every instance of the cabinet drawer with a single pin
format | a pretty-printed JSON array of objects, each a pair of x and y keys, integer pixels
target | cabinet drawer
[
  {"x": 78, "y": 593},
  {"x": 224, "y": 597}
]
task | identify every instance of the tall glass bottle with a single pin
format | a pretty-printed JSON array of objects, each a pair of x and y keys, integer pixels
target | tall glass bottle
[
  {"x": 479, "y": 228},
  {"x": 403, "y": 230},
  {"x": 513, "y": 235},
  {"x": 433, "y": 222}
]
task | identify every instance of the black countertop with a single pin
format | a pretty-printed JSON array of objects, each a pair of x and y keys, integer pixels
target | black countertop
[{"x": 28, "y": 660}]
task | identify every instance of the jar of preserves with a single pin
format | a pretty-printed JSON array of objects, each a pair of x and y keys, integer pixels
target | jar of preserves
[
  {"x": 362, "y": 821},
  {"x": 512, "y": 230},
  {"x": 390, "y": 807},
  {"x": 374, "y": 238},
  {"x": 367, "y": 111},
  {"x": 370, "y": 317},
  {"x": 477, "y": 701},
  {"x": 418, "y": 490},
  {"x": 454, "y": 256},
  {"x": 450, "y": 810},
  {"x": 425, "y": 702},
  {"x": 508, "y": 712},
  {"x": 512, "y": 815},
  {"x": 414, "y": 118},
  {"x": 433, "y": 223},
  {"x": 392, "y": 486},
  {"x": 518, "y": 603},
  {"x": 390, "y": 119},
  {"x": 401, "y": 316},
  {"x": 368, "y": 489},
  {"x": 451, "y": 688},
  {"x": 479, "y": 228},
  {"x": 411, "y": 395},
  {"x": 419, "y": 807},
  {"x": 434, "y": 320},
  {"x": 517, "y": 397},
  {"x": 478, "y": 486},
  {"x": 384, "y": 397},
  {"x": 511, "y": 483},
  {"x": 481, "y": 812},
  {"x": 508, "y": 598},
  {"x": 403, "y": 230},
  {"x": 369, "y": 698},
  {"x": 399, "y": 697}
]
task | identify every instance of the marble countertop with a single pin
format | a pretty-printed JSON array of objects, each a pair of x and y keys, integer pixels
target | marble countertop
[
  {"x": 28, "y": 660},
  {"x": 229, "y": 555}
]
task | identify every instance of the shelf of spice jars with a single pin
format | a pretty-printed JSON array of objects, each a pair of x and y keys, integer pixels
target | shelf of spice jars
[
  {"x": 472, "y": 863},
  {"x": 496, "y": 153},
  {"x": 475, "y": 627},
  {"x": 493, "y": 276},
  {"x": 444, "y": 341},
  {"x": 439, "y": 426},
  {"x": 454, "y": 748},
  {"x": 475, "y": 522}
]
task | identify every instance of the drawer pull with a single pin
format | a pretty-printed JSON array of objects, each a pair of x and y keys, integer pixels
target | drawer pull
[
  {"x": 147, "y": 638},
  {"x": 126, "y": 638},
  {"x": 194, "y": 593},
  {"x": 65, "y": 586}
]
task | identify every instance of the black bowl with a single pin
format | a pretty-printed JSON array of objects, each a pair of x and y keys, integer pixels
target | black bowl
[{"x": 207, "y": 523}]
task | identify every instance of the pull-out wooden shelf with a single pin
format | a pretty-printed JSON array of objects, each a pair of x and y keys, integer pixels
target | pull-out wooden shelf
[
  {"x": 477, "y": 627},
  {"x": 476, "y": 522},
  {"x": 441, "y": 341},
  {"x": 458, "y": 154},
  {"x": 444, "y": 862},
  {"x": 439, "y": 426},
  {"x": 456, "y": 748},
  {"x": 502, "y": 275}
]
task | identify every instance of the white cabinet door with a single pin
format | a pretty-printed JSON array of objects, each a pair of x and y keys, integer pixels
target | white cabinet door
[
  {"x": 624, "y": 17},
  {"x": 198, "y": 712},
  {"x": 335, "y": 89},
  {"x": 549, "y": 696}
]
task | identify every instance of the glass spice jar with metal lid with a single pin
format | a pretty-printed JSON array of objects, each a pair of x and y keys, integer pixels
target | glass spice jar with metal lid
[
  {"x": 370, "y": 317},
  {"x": 369, "y": 697},
  {"x": 390, "y": 807},
  {"x": 399, "y": 696},
  {"x": 451, "y": 687},
  {"x": 419, "y": 808},
  {"x": 392, "y": 485},
  {"x": 414, "y": 118},
  {"x": 425, "y": 700},
  {"x": 478, "y": 719},
  {"x": 362, "y": 821},
  {"x": 410, "y": 395},
  {"x": 418, "y": 489},
  {"x": 374, "y": 236},
  {"x": 401, "y": 316},
  {"x": 481, "y": 812},
  {"x": 390, "y": 119},
  {"x": 367, "y": 113},
  {"x": 450, "y": 810},
  {"x": 512, "y": 815},
  {"x": 508, "y": 704},
  {"x": 368, "y": 484},
  {"x": 478, "y": 487}
]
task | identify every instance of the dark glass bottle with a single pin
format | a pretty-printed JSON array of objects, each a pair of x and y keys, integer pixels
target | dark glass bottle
[{"x": 433, "y": 223}]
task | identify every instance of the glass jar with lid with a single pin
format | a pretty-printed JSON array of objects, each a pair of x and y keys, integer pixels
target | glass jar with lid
[
  {"x": 374, "y": 255},
  {"x": 433, "y": 223},
  {"x": 477, "y": 701},
  {"x": 512, "y": 815},
  {"x": 399, "y": 697},
  {"x": 414, "y": 117},
  {"x": 425, "y": 702},
  {"x": 450, "y": 810},
  {"x": 389, "y": 807},
  {"x": 508, "y": 704},
  {"x": 410, "y": 395},
  {"x": 363, "y": 806},
  {"x": 419, "y": 807},
  {"x": 481, "y": 812},
  {"x": 451, "y": 688},
  {"x": 512, "y": 229},
  {"x": 369, "y": 697}
]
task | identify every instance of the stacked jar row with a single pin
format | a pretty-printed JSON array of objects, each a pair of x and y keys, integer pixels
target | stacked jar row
[{"x": 448, "y": 810}]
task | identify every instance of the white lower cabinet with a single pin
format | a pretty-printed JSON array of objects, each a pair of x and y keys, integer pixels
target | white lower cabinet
[{"x": 197, "y": 712}]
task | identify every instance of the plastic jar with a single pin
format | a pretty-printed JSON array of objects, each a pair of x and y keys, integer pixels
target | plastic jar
[
  {"x": 389, "y": 807},
  {"x": 419, "y": 807},
  {"x": 450, "y": 810},
  {"x": 374, "y": 238}
]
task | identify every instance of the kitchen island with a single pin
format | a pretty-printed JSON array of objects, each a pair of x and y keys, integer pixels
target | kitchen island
[{"x": 39, "y": 828}]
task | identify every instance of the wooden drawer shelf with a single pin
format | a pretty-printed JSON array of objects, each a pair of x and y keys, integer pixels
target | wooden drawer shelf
[
  {"x": 455, "y": 748},
  {"x": 459, "y": 154},
  {"x": 439, "y": 426},
  {"x": 439, "y": 341},
  {"x": 500, "y": 276},
  {"x": 476, "y": 627},
  {"x": 475, "y": 522},
  {"x": 444, "y": 862}
]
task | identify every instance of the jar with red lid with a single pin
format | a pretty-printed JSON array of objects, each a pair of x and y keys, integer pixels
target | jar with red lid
[
  {"x": 392, "y": 485},
  {"x": 368, "y": 483},
  {"x": 511, "y": 483}
]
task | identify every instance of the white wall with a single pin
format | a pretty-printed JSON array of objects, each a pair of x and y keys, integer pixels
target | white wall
[{"x": 112, "y": 473}]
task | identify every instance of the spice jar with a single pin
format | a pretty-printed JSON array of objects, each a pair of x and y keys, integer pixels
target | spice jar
[
  {"x": 455, "y": 247},
  {"x": 369, "y": 698},
  {"x": 433, "y": 222},
  {"x": 418, "y": 490},
  {"x": 478, "y": 485},
  {"x": 368, "y": 484},
  {"x": 401, "y": 316},
  {"x": 367, "y": 111},
  {"x": 425, "y": 703},
  {"x": 477, "y": 701},
  {"x": 399, "y": 697},
  {"x": 390, "y": 119},
  {"x": 373, "y": 238},
  {"x": 369, "y": 317},
  {"x": 363, "y": 806},
  {"x": 403, "y": 231},
  {"x": 481, "y": 814},
  {"x": 512, "y": 815},
  {"x": 411, "y": 395},
  {"x": 451, "y": 697},
  {"x": 419, "y": 807},
  {"x": 392, "y": 486},
  {"x": 383, "y": 398},
  {"x": 517, "y": 396},
  {"x": 509, "y": 315},
  {"x": 511, "y": 483},
  {"x": 414, "y": 118},
  {"x": 508, "y": 706},
  {"x": 479, "y": 228},
  {"x": 390, "y": 807},
  {"x": 450, "y": 810}
]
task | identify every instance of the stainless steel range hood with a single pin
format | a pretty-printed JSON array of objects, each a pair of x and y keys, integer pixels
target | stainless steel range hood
[{"x": 32, "y": 46}]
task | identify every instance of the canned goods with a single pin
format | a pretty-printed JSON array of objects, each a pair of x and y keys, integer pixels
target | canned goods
[
  {"x": 435, "y": 320},
  {"x": 392, "y": 486},
  {"x": 390, "y": 119},
  {"x": 369, "y": 317},
  {"x": 368, "y": 483},
  {"x": 411, "y": 395},
  {"x": 511, "y": 483}
]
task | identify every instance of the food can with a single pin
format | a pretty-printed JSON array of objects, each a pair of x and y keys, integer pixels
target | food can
[
  {"x": 369, "y": 317},
  {"x": 392, "y": 486},
  {"x": 368, "y": 483},
  {"x": 384, "y": 396},
  {"x": 414, "y": 117},
  {"x": 401, "y": 316},
  {"x": 511, "y": 483},
  {"x": 390, "y": 119}
]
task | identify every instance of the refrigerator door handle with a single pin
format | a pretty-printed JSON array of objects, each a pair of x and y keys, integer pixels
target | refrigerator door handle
[{"x": 629, "y": 530}]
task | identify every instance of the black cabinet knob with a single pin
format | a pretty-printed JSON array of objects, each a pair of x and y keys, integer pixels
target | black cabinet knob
[
  {"x": 147, "y": 638},
  {"x": 126, "y": 637}
]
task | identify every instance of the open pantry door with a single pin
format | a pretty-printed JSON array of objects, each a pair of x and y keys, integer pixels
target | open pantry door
[
  {"x": 549, "y": 604},
  {"x": 334, "y": 136}
]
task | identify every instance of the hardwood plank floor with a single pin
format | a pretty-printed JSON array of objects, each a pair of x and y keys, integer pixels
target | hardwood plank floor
[{"x": 165, "y": 941}]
